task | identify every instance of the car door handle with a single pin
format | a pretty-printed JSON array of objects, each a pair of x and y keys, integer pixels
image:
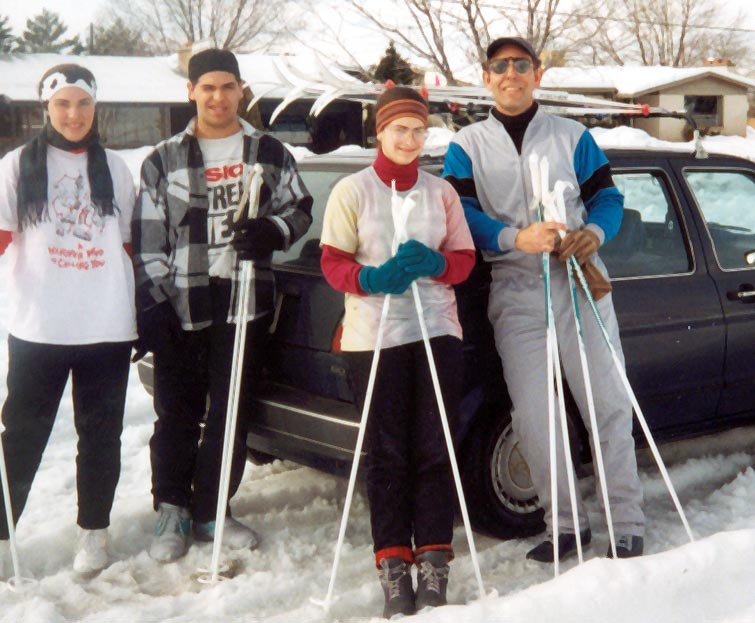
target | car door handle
[{"x": 745, "y": 293}]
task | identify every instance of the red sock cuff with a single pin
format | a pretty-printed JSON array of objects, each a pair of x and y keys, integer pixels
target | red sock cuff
[
  {"x": 398, "y": 551},
  {"x": 442, "y": 547}
]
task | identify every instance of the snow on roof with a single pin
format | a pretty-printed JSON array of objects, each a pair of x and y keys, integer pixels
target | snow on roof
[
  {"x": 120, "y": 79},
  {"x": 131, "y": 79},
  {"x": 632, "y": 81}
]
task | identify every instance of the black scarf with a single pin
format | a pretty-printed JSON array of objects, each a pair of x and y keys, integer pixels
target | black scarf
[{"x": 32, "y": 182}]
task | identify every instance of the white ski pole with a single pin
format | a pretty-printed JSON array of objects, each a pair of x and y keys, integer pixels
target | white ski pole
[
  {"x": 627, "y": 386},
  {"x": 539, "y": 176},
  {"x": 17, "y": 582},
  {"x": 251, "y": 194},
  {"x": 408, "y": 205},
  {"x": 577, "y": 269},
  {"x": 327, "y": 602},
  {"x": 539, "y": 173},
  {"x": 591, "y": 410},
  {"x": 562, "y": 406},
  {"x": 567, "y": 450},
  {"x": 556, "y": 208}
]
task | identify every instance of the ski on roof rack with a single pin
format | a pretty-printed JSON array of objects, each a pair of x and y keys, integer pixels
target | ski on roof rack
[{"x": 327, "y": 86}]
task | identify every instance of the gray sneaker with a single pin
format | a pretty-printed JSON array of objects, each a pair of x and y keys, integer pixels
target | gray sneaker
[
  {"x": 235, "y": 534},
  {"x": 432, "y": 579},
  {"x": 171, "y": 533},
  {"x": 396, "y": 580}
]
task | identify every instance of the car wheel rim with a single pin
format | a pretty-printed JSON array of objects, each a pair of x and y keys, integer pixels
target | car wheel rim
[{"x": 511, "y": 478}]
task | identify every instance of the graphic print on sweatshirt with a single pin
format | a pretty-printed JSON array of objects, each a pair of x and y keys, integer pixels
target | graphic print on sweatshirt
[
  {"x": 77, "y": 243},
  {"x": 224, "y": 173}
]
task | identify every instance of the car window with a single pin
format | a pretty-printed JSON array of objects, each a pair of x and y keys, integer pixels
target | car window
[
  {"x": 650, "y": 241},
  {"x": 306, "y": 252},
  {"x": 727, "y": 202}
]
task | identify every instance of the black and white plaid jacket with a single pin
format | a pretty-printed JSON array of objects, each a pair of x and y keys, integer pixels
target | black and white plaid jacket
[{"x": 169, "y": 225}]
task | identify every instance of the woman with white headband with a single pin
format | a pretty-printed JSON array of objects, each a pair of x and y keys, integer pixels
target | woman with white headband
[{"x": 65, "y": 209}]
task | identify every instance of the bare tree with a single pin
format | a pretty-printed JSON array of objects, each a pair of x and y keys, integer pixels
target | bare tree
[
  {"x": 419, "y": 26},
  {"x": 450, "y": 34},
  {"x": 674, "y": 33},
  {"x": 554, "y": 27},
  {"x": 327, "y": 33},
  {"x": 247, "y": 25}
]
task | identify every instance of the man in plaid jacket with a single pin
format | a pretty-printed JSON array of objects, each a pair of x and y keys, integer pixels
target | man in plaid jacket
[{"x": 187, "y": 249}]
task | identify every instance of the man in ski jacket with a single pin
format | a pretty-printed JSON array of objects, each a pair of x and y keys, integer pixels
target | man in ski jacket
[
  {"x": 488, "y": 164},
  {"x": 187, "y": 252}
]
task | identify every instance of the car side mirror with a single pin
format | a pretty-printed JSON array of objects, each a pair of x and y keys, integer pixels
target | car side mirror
[{"x": 750, "y": 257}]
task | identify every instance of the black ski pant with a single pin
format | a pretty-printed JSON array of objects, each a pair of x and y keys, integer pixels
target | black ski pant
[
  {"x": 37, "y": 376},
  {"x": 192, "y": 379},
  {"x": 409, "y": 482}
]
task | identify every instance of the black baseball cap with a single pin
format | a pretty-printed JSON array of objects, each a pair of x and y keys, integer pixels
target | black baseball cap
[{"x": 519, "y": 42}]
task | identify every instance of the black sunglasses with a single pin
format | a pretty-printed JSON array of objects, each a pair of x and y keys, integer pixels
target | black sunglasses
[{"x": 501, "y": 65}]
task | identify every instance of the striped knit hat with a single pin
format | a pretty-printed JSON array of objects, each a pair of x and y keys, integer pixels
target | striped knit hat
[{"x": 396, "y": 103}]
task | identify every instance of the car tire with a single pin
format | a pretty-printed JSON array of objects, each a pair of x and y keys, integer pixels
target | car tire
[{"x": 497, "y": 484}]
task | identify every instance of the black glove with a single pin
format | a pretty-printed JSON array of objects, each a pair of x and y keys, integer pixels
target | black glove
[
  {"x": 256, "y": 238},
  {"x": 158, "y": 328}
]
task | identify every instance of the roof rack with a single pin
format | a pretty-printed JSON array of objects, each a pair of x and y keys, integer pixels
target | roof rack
[{"x": 326, "y": 87}]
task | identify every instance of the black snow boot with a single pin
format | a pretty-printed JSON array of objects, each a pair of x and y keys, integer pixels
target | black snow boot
[
  {"x": 396, "y": 580},
  {"x": 567, "y": 547},
  {"x": 627, "y": 546},
  {"x": 432, "y": 579}
]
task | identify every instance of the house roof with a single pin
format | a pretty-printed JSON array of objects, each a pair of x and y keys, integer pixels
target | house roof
[
  {"x": 130, "y": 79},
  {"x": 633, "y": 81}
]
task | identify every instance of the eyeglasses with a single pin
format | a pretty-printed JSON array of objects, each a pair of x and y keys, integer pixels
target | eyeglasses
[
  {"x": 501, "y": 65},
  {"x": 401, "y": 132}
]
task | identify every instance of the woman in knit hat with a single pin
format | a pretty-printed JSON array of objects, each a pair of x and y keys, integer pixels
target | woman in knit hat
[
  {"x": 409, "y": 483},
  {"x": 65, "y": 208}
]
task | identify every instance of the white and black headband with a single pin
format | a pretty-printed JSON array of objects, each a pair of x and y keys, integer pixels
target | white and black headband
[{"x": 67, "y": 75}]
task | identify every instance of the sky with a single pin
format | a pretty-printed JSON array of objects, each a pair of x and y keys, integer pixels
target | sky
[
  {"x": 87, "y": 11},
  {"x": 77, "y": 21}
]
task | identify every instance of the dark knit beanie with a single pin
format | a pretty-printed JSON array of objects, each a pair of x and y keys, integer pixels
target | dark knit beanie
[
  {"x": 213, "y": 60},
  {"x": 66, "y": 75},
  {"x": 396, "y": 103}
]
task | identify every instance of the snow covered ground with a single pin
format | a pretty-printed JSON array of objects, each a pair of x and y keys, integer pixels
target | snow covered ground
[{"x": 297, "y": 510}]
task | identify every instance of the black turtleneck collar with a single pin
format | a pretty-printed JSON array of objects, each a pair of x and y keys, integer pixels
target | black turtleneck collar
[{"x": 516, "y": 125}]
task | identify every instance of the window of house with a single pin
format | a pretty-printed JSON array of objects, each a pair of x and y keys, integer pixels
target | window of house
[
  {"x": 129, "y": 126},
  {"x": 705, "y": 109},
  {"x": 651, "y": 241},
  {"x": 727, "y": 202},
  {"x": 7, "y": 124}
]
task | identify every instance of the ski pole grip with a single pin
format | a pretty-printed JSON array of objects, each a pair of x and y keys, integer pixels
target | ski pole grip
[{"x": 251, "y": 195}]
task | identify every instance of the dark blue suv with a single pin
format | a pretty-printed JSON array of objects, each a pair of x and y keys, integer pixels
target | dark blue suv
[{"x": 682, "y": 291}]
